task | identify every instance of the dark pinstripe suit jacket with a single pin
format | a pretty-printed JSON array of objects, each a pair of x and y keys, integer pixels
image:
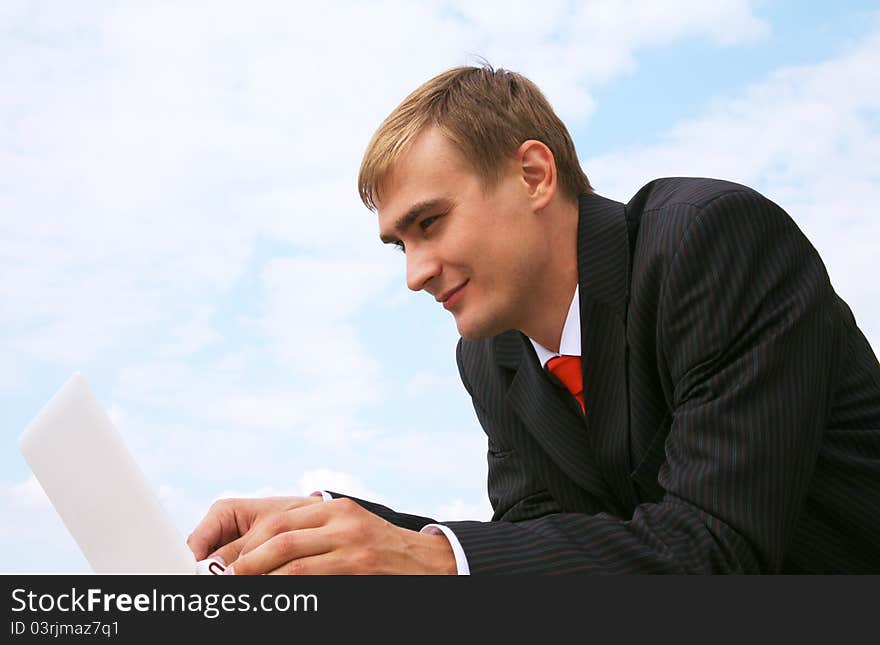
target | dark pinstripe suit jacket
[{"x": 733, "y": 405}]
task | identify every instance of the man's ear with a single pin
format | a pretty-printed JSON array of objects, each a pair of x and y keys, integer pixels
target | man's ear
[{"x": 538, "y": 168}]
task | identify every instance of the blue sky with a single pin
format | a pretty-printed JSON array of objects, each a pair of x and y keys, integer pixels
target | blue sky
[{"x": 179, "y": 219}]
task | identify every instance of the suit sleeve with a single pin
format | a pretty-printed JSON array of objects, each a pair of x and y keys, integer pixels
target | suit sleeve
[
  {"x": 749, "y": 348},
  {"x": 403, "y": 520}
]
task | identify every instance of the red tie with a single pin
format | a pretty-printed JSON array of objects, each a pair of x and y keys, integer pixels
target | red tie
[{"x": 568, "y": 370}]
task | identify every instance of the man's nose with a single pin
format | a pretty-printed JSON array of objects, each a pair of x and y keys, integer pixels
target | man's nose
[{"x": 420, "y": 268}]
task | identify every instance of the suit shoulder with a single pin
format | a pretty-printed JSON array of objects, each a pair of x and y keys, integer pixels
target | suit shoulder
[
  {"x": 696, "y": 192},
  {"x": 666, "y": 209},
  {"x": 683, "y": 216}
]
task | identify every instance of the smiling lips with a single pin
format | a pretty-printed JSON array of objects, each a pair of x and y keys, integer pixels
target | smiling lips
[{"x": 452, "y": 297}]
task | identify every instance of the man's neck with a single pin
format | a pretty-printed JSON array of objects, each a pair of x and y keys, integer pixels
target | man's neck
[
  {"x": 558, "y": 287},
  {"x": 548, "y": 332}
]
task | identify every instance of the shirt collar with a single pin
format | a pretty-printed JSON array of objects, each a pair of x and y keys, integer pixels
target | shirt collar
[{"x": 570, "y": 342}]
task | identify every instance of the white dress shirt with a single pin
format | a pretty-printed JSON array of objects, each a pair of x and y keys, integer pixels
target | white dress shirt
[{"x": 569, "y": 345}]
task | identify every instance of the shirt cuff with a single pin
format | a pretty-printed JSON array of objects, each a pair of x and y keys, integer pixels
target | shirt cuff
[
  {"x": 461, "y": 562},
  {"x": 327, "y": 496}
]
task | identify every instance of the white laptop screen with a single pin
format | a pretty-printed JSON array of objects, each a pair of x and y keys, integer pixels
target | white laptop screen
[{"x": 98, "y": 489}]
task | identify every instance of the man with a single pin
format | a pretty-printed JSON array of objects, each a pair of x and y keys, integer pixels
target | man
[{"x": 715, "y": 407}]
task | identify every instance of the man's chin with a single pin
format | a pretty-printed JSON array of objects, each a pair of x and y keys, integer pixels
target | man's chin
[
  {"x": 477, "y": 331},
  {"x": 468, "y": 332}
]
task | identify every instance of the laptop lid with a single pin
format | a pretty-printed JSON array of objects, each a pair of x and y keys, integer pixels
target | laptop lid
[{"x": 98, "y": 489}]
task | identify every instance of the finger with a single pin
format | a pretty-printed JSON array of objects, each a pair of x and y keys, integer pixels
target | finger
[
  {"x": 281, "y": 549},
  {"x": 204, "y": 536},
  {"x": 293, "y": 519},
  {"x": 218, "y": 527},
  {"x": 230, "y": 552},
  {"x": 230, "y": 519}
]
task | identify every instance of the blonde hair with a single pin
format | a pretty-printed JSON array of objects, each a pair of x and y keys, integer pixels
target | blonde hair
[{"x": 486, "y": 114}]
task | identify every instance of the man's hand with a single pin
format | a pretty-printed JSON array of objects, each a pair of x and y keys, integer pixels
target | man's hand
[
  {"x": 228, "y": 524},
  {"x": 298, "y": 536}
]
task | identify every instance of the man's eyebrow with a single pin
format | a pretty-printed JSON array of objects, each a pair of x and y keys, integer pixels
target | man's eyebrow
[{"x": 405, "y": 221}]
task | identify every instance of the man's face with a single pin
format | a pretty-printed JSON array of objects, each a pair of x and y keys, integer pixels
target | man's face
[{"x": 481, "y": 253}]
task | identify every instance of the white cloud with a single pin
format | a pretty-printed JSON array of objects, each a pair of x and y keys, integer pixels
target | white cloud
[
  {"x": 332, "y": 480},
  {"x": 460, "y": 510},
  {"x": 193, "y": 335},
  {"x": 425, "y": 383},
  {"x": 570, "y": 48},
  {"x": 27, "y": 495},
  {"x": 10, "y": 373},
  {"x": 432, "y": 457},
  {"x": 311, "y": 303},
  {"x": 32, "y": 535},
  {"x": 221, "y": 428}
]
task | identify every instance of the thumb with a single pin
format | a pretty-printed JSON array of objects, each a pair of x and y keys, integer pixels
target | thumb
[{"x": 228, "y": 553}]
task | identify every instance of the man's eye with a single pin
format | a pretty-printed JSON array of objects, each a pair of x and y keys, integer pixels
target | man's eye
[{"x": 425, "y": 223}]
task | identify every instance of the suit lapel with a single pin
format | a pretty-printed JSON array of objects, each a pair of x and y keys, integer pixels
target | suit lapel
[
  {"x": 551, "y": 415},
  {"x": 603, "y": 268},
  {"x": 592, "y": 450}
]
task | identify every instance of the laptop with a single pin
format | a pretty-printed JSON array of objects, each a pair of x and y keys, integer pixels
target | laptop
[{"x": 98, "y": 489}]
